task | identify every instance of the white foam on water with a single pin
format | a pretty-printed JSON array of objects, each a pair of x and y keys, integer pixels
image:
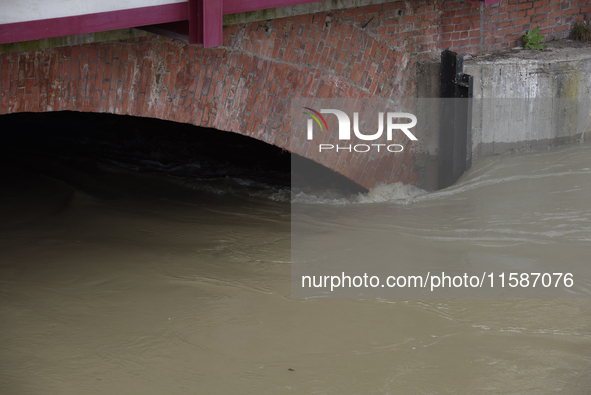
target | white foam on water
[
  {"x": 398, "y": 192},
  {"x": 327, "y": 197}
]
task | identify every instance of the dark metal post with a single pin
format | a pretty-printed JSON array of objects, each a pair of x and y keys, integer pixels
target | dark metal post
[{"x": 455, "y": 139}]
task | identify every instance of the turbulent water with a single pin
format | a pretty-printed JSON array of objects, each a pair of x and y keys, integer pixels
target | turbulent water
[{"x": 126, "y": 282}]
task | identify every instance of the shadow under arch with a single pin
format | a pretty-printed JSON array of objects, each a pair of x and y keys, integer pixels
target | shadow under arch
[{"x": 71, "y": 146}]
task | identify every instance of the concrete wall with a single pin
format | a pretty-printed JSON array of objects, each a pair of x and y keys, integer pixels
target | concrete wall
[
  {"x": 524, "y": 100},
  {"x": 530, "y": 100}
]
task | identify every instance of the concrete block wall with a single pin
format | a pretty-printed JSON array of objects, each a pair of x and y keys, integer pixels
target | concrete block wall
[{"x": 531, "y": 100}]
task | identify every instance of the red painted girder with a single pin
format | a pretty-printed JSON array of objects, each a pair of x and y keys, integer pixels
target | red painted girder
[
  {"x": 92, "y": 23},
  {"x": 208, "y": 14},
  {"x": 206, "y": 22}
]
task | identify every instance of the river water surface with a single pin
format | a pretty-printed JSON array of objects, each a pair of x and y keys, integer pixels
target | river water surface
[{"x": 124, "y": 282}]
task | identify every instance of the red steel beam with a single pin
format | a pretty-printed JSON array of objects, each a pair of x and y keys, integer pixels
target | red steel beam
[
  {"x": 92, "y": 23},
  {"x": 204, "y": 16},
  {"x": 206, "y": 22}
]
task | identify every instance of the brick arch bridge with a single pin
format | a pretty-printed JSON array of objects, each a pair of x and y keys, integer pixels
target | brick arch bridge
[{"x": 245, "y": 85}]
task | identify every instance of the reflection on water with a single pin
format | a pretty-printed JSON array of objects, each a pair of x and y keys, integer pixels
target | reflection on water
[{"x": 132, "y": 283}]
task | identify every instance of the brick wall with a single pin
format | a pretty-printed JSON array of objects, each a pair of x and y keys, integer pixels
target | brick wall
[
  {"x": 246, "y": 85},
  {"x": 506, "y": 22}
]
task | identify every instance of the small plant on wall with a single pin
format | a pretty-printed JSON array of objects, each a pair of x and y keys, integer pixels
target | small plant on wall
[
  {"x": 581, "y": 31},
  {"x": 532, "y": 39}
]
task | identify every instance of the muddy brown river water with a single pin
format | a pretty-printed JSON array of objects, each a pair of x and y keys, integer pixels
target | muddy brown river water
[{"x": 116, "y": 282}]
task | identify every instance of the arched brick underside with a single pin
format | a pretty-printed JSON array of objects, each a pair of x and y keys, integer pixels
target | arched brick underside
[
  {"x": 245, "y": 86},
  {"x": 225, "y": 88}
]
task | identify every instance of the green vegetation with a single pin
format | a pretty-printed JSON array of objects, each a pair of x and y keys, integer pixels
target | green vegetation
[
  {"x": 532, "y": 39},
  {"x": 581, "y": 31}
]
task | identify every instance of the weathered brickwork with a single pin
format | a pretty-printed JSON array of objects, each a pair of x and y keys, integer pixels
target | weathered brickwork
[
  {"x": 504, "y": 23},
  {"x": 246, "y": 85}
]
